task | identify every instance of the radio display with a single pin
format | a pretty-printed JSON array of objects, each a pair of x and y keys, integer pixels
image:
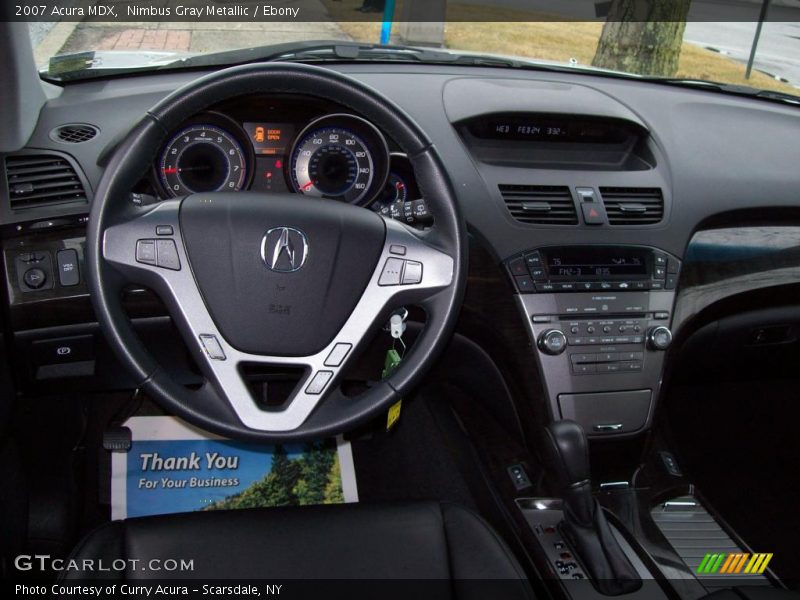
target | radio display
[{"x": 595, "y": 263}]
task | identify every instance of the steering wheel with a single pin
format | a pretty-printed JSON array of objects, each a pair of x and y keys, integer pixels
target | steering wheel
[{"x": 281, "y": 280}]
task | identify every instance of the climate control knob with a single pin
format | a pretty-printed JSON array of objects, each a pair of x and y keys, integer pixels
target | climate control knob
[
  {"x": 659, "y": 338},
  {"x": 552, "y": 342}
]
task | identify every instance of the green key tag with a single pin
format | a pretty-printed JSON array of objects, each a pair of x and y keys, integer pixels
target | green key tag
[{"x": 393, "y": 359}]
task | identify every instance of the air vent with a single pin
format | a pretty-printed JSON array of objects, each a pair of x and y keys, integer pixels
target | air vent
[
  {"x": 633, "y": 206},
  {"x": 42, "y": 180},
  {"x": 540, "y": 204},
  {"x": 75, "y": 133}
]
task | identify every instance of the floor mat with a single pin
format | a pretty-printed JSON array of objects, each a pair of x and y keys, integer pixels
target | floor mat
[{"x": 174, "y": 467}]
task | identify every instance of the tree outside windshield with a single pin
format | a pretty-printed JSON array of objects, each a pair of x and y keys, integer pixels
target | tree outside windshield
[{"x": 661, "y": 38}]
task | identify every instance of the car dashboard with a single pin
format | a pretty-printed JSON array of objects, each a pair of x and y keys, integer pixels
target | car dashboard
[{"x": 584, "y": 191}]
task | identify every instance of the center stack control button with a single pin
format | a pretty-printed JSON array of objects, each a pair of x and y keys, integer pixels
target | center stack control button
[
  {"x": 35, "y": 278},
  {"x": 553, "y": 342},
  {"x": 659, "y": 338},
  {"x": 67, "y": 262},
  {"x": 534, "y": 260},
  {"x": 518, "y": 267}
]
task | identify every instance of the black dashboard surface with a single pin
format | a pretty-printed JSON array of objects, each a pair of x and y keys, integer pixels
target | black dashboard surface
[{"x": 708, "y": 153}]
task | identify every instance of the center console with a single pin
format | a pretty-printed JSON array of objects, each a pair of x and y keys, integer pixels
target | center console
[{"x": 599, "y": 317}]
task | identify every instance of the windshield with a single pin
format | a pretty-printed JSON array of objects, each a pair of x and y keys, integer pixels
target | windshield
[{"x": 759, "y": 48}]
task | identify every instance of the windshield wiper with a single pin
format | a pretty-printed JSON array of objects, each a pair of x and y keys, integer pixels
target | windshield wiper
[{"x": 730, "y": 88}]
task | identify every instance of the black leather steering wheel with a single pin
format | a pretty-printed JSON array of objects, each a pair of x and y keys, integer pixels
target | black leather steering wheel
[{"x": 281, "y": 280}]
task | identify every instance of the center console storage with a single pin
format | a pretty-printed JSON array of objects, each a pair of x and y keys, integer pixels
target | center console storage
[{"x": 599, "y": 317}]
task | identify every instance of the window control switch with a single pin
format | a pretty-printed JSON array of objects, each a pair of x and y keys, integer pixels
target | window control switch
[{"x": 519, "y": 477}]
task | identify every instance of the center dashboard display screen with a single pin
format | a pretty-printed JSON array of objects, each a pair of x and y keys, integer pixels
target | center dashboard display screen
[{"x": 595, "y": 263}]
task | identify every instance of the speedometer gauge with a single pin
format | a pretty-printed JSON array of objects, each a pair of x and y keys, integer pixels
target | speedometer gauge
[
  {"x": 339, "y": 157},
  {"x": 202, "y": 158},
  {"x": 333, "y": 163}
]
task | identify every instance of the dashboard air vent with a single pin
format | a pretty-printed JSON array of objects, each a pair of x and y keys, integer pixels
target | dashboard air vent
[
  {"x": 540, "y": 204},
  {"x": 633, "y": 206},
  {"x": 75, "y": 133},
  {"x": 42, "y": 180}
]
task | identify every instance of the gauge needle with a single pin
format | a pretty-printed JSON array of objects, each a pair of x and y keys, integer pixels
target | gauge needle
[
  {"x": 173, "y": 170},
  {"x": 307, "y": 186}
]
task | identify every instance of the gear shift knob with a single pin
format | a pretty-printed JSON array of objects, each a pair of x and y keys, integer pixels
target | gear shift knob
[
  {"x": 566, "y": 456},
  {"x": 567, "y": 452}
]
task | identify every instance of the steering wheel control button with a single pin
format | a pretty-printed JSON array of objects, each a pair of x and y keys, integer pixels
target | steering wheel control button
[
  {"x": 164, "y": 230},
  {"x": 392, "y": 272},
  {"x": 35, "y": 278},
  {"x": 397, "y": 249},
  {"x": 67, "y": 261},
  {"x": 337, "y": 355},
  {"x": 319, "y": 382},
  {"x": 146, "y": 252},
  {"x": 413, "y": 272},
  {"x": 212, "y": 346},
  {"x": 167, "y": 254}
]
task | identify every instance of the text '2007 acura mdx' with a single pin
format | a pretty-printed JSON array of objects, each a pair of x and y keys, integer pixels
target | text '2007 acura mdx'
[{"x": 382, "y": 299}]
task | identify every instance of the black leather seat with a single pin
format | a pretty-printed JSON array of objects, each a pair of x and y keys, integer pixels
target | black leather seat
[{"x": 419, "y": 541}]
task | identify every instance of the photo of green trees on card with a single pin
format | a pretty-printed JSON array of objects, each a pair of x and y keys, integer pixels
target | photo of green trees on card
[{"x": 310, "y": 476}]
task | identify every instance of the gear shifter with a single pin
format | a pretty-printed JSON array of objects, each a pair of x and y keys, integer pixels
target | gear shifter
[{"x": 566, "y": 454}]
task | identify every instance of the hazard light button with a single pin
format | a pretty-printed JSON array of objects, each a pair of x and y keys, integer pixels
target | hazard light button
[{"x": 592, "y": 214}]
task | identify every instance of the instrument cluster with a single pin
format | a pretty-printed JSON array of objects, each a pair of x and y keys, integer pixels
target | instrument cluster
[{"x": 338, "y": 156}]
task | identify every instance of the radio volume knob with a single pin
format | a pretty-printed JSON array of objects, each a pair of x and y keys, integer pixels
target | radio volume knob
[
  {"x": 552, "y": 341},
  {"x": 659, "y": 338}
]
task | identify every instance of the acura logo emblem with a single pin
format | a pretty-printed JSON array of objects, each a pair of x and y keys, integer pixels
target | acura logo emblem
[{"x": 284, "y": 249}]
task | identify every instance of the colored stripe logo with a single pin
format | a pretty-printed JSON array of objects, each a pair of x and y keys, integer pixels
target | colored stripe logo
[{"x": 732, "y": 563}]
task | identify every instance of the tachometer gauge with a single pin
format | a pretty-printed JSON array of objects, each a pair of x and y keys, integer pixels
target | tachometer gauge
[
  {"x": 202, "y": 158},
  {"x": 339, "y": 157}
]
